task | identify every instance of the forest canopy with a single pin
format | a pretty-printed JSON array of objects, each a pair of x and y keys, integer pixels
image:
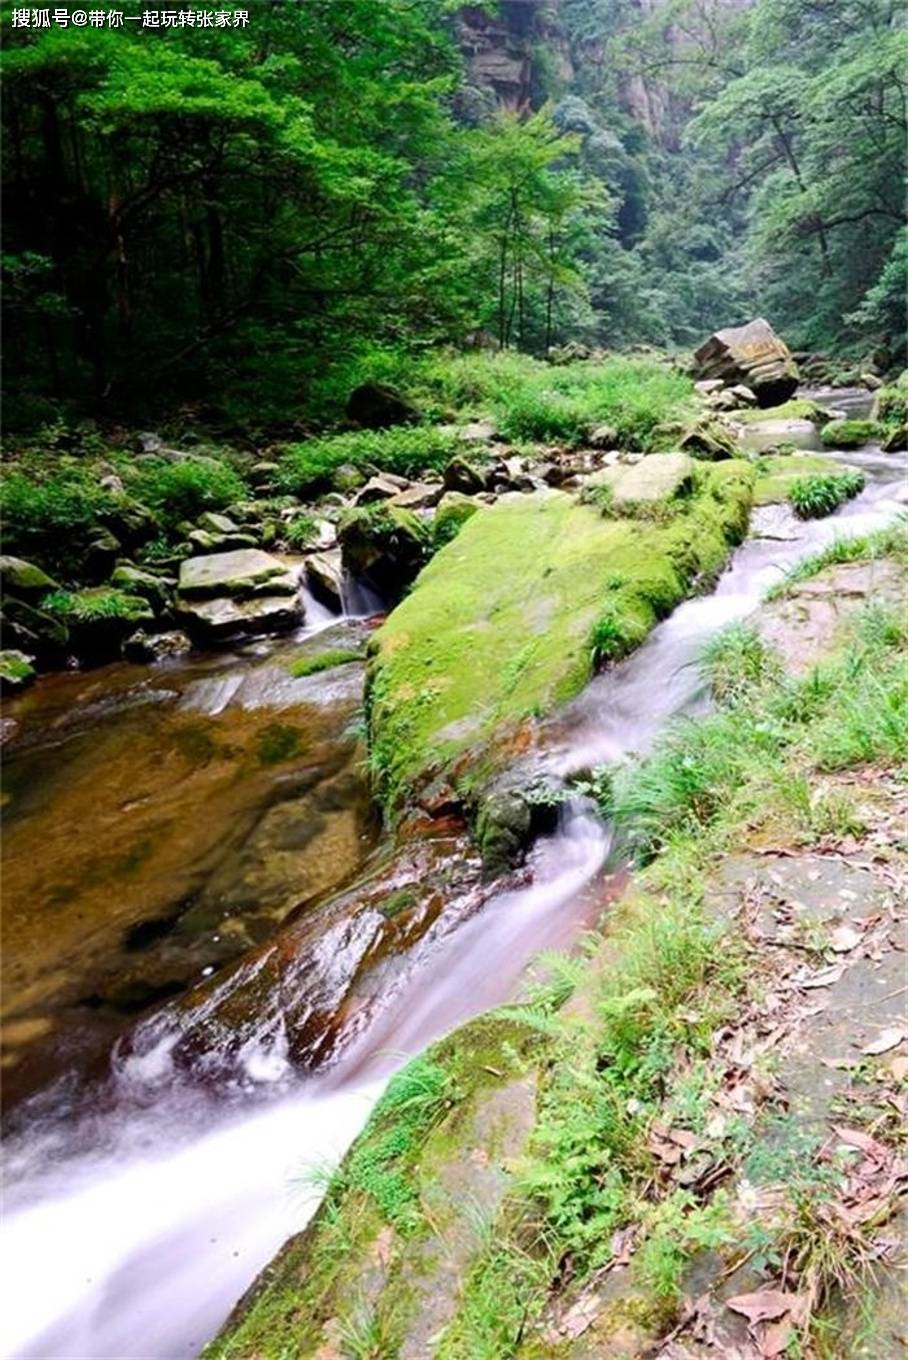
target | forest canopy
[{"x": 245, "y": 219}]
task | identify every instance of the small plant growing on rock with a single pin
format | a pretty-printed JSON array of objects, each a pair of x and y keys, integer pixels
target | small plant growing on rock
[{"x": 814, "y": 497}]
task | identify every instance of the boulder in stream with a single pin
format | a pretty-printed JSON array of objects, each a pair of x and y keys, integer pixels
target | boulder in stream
[
  {"x": 238, "y": 574},
  {"x": 325, "y": 578},
  {"x": 753, "y": 355}
]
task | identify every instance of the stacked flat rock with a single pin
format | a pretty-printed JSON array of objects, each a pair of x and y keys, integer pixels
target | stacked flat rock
[
  {"x": 752, "y": 355},
  {"x": 238, "y": 593}
]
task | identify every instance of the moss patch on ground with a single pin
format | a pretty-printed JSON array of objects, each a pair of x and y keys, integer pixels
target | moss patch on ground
[
  {"x": 777, "y": 474},
  {"x": 510, "y": 619}
]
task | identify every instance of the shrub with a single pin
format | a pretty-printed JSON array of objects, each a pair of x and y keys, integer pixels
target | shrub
[
  {"x": 307, "y": 469},
  {"x": 849, "y": 434},
  {"x": 183, "y": 490},
  {"x": 90, "y": 606},
  {"x": 813, "y": 497},
  {"x": 49, "y": 512},
  {"x": 300, "y": 532}
]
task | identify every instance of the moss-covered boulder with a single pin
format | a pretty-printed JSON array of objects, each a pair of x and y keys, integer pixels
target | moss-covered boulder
[
  {"x": 777, "y": 473},
  {"x": 16, "y": 671},
  {"x": 99, "y": 619},
  {"x": 35, "y": 631},
  {"x": 23, "y": 579},
  {"x": 849, "y": 434},
  {"x": 509, "y": 619},
  {"x": 385, "y": 546},
  {"x": 454, "y": 509}
]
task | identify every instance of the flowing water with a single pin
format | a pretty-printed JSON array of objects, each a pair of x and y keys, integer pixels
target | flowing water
[{"x": 145, "y": 1192}]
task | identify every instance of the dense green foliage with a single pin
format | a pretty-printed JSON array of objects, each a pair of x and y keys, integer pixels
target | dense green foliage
[
  {"x": 813, "y": 497},
  {"x": 242, "y": 223}
]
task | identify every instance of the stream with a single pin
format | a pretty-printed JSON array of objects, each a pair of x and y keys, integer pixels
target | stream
[{"x": 223, "y": 995}]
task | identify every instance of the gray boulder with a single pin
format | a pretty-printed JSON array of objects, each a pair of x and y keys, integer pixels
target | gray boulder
[
  {"x": 24, "y": 579},
  {"x": 215, "y": 620},
  {"x": 145, "y": 647},
  {"x": 461, "y": 475},
  {"x": 377, "y": 406},
  {"x": 239, "y": 574},
  {"x": 753, "y": 355},
  {"x": 325, "y": 578},
  {"x": 382, "y": 487}
]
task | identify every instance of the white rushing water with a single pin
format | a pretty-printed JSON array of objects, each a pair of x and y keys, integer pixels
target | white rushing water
[{"x": 136, "y": 1248}]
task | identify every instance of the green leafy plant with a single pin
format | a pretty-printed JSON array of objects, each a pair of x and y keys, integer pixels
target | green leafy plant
[
  {"x": 183, "y": 490},
  {"x": 813, "y": 497}
]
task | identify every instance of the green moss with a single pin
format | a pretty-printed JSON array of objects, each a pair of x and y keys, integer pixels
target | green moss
[
  {"x": 94, "y": 604},
  {"x": 799, "y": 408},
  {"x": 777, "y": 473},
  {"x": 278, "y": 742},
  {"x": 452, "y": 514},
  {"x": 508, "y": 621},
  {"x": 849, "y": 434},
  {"x": 324, "y": 661}
]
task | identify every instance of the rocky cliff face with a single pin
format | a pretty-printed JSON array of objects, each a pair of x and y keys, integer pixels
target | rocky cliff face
[{"x": 509, "y": 50}]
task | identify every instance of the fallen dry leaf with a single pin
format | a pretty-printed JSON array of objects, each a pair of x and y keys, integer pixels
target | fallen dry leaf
[
  {"x": 844, "y": 939},
  {"x": 862, "y": 1141},
  {"x": 775, "y": 1338},
  {"x": 765, "y": 1305},
  {"x": 899, "y": 1068},
  {"x": 888, "y": 1038},
  {"x": 827, "y": 977}
]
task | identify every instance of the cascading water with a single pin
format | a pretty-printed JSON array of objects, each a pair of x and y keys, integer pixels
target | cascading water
[{"x": 132, "y": 1232}]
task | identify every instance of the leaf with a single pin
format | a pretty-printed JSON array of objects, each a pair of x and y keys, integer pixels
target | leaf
[
  {"x": 862, "y": 1141},
  {"x": 825, "y": 978},
  {"x": 844, "y": 939},
  {"x": 764, "y": 1305},
  {"x": 775, "y": 1338},
  {"x": 899, "y": 1068},
  {"x": 888, "y": 1038}
]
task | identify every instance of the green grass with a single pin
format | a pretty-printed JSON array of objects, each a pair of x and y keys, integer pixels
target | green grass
[
  {"x": 184, "y": 490},
  {"x": 736, "y": 660},
  {"x": 299, "y": 533},
  {"x": 849, "y": 434},
  {"x": 48, "y": 508},
  {"x": 814, "y": 497},
  {"x": 891, "y": 542},
  {"x": 324, "y": 661}
]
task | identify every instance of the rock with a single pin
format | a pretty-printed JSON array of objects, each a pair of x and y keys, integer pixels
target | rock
[
  {"x": 155, "y": 589},
  {"x": 603, "y": 437},
  {"x": 895, "y": 440},
  {"x": 708, "y": 439},
  {"x": 461, "y": 475},
  {"x": 419, "y": 496},
  {"x": 477, "y": 432},
  {"x": 145, "y": 647},
  {"x": 708, "y": 386},
  {"x": 263, "y": 474},
  {"x": 16, "y": 671},
  {"x": 24, "y": 579},
  {"x": 347, "y": 477},
  {"x": 148, "y": 442},
  {"x": 101, "y": 552},
  {"x": 871, "y": 381},
  {"x": 202, "y": 541},
  {"x": 217, "y": 524},
  {"x": 385, "y": 545},
  {"x": 510, "y": 474},
  {"x": 100, "y": 618},
  {"x": 503, "y": 831},
  {"x": 453, "y": 511},
  {"x": 753, "y": 355},
  {"x": 113, "y": 483},
  {"x": 379, "y": 488},
  {"x": 130, "y": 522},
  {"x": 377, "y": 406},
  {"x": 239, "y": 574},
  {"x": 849, "y": 434},
  {"x": 325, "y": 578},
  {"x": 657, "y": 477},
  {"x": 217, "y": 619},
  {"x": 35, "y": 632}
]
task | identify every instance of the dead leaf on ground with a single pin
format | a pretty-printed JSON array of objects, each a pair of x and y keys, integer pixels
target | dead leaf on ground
[
  {"x": 765, "y": 1305},
  {"x": 844, "y": 939},
  {"x": 887, "y": 1039},
  {"x": 826, "y": 977}
]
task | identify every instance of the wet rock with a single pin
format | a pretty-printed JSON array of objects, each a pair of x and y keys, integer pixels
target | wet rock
[
  {"x": 16, "y": 671},
  {"x": 503, "y": 828},
  {"x": 708, "y": 439},
  {"x": 377, "y": 406},
  {"x": 24, "y": 579},
  {"x": 510, "y": 474},
  {"x": 895, "y": 440},
  {"x": 385, "y": 546},
  {"x": 145, "y": 647},
  {"x": 217, "y": 524},
  {"x": 753, "y": 355},
  {"x": 218, "y": 619},
  {"x": 262, "y": 475},
  {"x": 462, "y": 475},
  {"x": 100, "y": 619},
  {"x": 325, "y": 578},
  {"x": 348, "y": 477},
  {"x": 245, "y": 572}
]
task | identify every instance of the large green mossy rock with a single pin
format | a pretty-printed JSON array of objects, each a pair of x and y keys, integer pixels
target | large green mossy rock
[
  {"x": 508, "y": 620},
  {"x": 777, "y": 473}
]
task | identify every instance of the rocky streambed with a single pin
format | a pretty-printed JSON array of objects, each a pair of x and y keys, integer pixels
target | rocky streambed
[{"x": 202, "y": 830}]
